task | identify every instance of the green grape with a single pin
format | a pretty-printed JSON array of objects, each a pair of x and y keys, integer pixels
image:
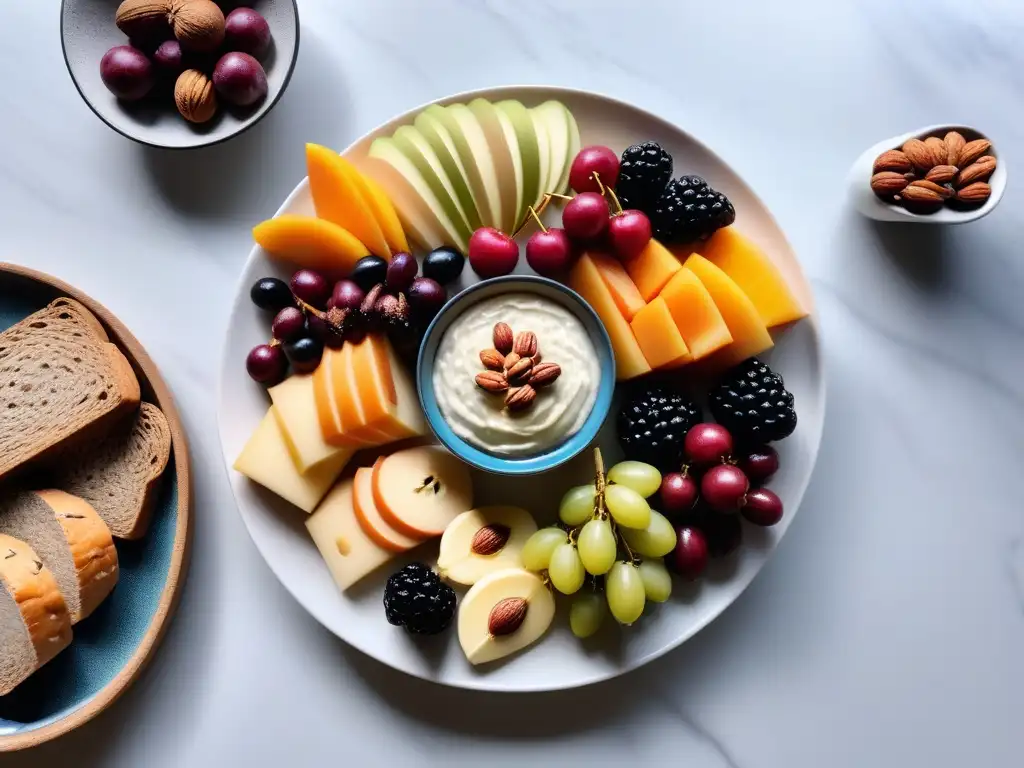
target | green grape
[
  {"x": 627, "y": 507},
  {"x": 656, "y": 579},
  {"x": 625, "y": 592},
  {"x": 657, "y": 540},
  {"x": 577, "y": 505},
  {"x": 597, "y": 547},
  {"x": 566, "y": 569},
  {"x": 642, "y": 478},
  {"x": 537, "y": 550},
  {"x": 586, "y": 614}
]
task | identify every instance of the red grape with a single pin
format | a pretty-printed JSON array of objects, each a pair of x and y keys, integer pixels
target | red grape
[
  {"x": 629, "y": 233},
  {"x": 678, "y": 492},
  {"x": 591, "y": 159},
  {"x": 707, "y": 444},
  {"x": 401, "y": 270},
  {"x": 126, "y": 72},
  {"x": 240, "y": 79},
  {"x": 763, "y": 507},
  {"x": 723, "y": 487},
  {"x": 167, "y": 58},
  {"x": 346, "y": 295},
  {"x": 247, "y": 31},
  {"x": 492, "y": 252},
  {"x": 585, "y": 216},
  {"x": 426, "y": 297},
  {"x": 760, "y": 463},
  {"x": 289, "y": 324},
  {"x": 690, "y": 557},
  {"x": 550, "y": 252},
  {"x": 311, "y": 287},
  {"x": 304, "y": 354},
  {"x": 266, "y": 364}
]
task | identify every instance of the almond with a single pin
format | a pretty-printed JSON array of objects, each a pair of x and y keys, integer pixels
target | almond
[
  {"x": 525, "y": 344},
  {"x": 520, "y": 398},
  {"x": 974, "y": 194},
  {"x": 888, "y": 183},
  {"x": 920, "y": 200},
  {"x": 972, "y": 151},
  {"x": 492, "y": 381},
  {"x": 503, "y": 338},
  {"x": 919, "y": 154},
  {"x": 941, "y": 174},
  {"x": 944, "y": 192},
  {"x": 544, "y": 374},
  {"x": 893, "y": 160},
  {"x": 492, "y": 359},
  {"x": 490, "y": 539},
  {"x": 938, "y": 149},
  {"x": 979, "y": 170},
  {"x": 507, "y": 616},
  {"x": 521, "y": 369},
  {"x": 954, "y": 144}
]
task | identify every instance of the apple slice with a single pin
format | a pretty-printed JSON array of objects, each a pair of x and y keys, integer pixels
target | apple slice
[
  {"x": 503, "y": 613},
  {"x": 544, "y": 146},
  {"x": 484, "y": 540},
  {"x": 574, "y": 148},
  {"x": 518, "y": 119},
  {"x": 556, "y": 118},
  {"x": 506, "y": 160},
  {"x": 369, "y": 517},
  {"x": 419, "y": 491},
  {"x": 440, "y": 140},
  {"x": 476, "y": 158}
]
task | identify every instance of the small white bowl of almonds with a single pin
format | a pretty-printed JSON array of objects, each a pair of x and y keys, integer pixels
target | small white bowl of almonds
[{"x": 943, "y": 174}]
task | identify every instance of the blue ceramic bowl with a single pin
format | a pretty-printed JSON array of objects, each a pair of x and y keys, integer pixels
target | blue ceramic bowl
[{"x": 572, "y": 445}]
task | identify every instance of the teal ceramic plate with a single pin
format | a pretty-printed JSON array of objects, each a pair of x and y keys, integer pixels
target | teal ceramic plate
[{"x": 110, "y": 647}]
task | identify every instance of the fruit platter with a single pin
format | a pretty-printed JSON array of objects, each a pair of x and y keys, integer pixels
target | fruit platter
[{"x": 520, "y": 390}]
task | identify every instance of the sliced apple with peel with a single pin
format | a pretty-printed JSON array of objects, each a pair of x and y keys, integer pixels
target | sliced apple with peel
[
  {"x": 370, "y": 519},
  {"x": 419, "y": 491},
  {"x": 556, "y": 118},
  {"x": 504, "y": 612},
  {"x": 544, "y": 146},
  {"x": 518, "y": 118},
  {"x": 442, "y": 142},
  {"x": 506, "y": 159},
  {"x": 484, "y": 540},
  {"x": 574, "y": 148},
  {"x": 476, "y": 158}
]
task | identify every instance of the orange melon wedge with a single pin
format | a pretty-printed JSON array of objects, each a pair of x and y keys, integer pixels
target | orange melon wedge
[
  {"x": 658, "y": 337},
  {"x": 626, "y": 296},
  {"x": 695, "y": 315},
  {"x": 310, "y": 243}
]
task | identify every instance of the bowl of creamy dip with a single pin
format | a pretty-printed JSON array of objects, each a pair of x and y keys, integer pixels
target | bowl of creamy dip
[{"x": 475, "y": 417}]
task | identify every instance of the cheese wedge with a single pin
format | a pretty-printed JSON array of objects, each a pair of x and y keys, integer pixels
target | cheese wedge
[
  {"x": 349, "y": 553},
  {"x": 266, "y": 460},
  {"x": 295, "y": 407}
]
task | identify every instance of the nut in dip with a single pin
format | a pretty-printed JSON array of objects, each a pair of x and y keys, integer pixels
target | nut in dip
[{"x": 516, "y": 394}]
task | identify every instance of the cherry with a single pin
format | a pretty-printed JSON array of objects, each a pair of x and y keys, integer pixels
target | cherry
[
  {"x": 690, "y": 557},
  {"x": 723, "y": 487},
  {"x": 266, "y": 364},
  {"x": 707, "y": 444},
  {"x": 311, "y": 287},
  {"x": 590, "y": 160},
  {"x": 549, "y": 252},
  {"x": 762, "y": 507},
  {"x": 678, "y": 493},
  {"x": 629, "y": 233},
  {"x": 289, "y": 324},
  {"x": 760, "y": 463},
  {"x": 492, "y": 252},
  {"x": 585, "y": 217}
]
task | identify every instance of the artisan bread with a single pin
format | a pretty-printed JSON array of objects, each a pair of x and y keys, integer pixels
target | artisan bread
[
  {"x": 34, "y": 621},
  {"x": 60, "y": 381},
  {"x": 119, "y": 475},
  {"x": 72, "y": 541}
]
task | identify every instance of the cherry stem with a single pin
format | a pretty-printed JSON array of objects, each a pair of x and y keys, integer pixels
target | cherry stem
[
  {"x": 536, "y": 218},
  {"x": 615, "y": 199},
  {"x": 600, "y": 185},
  {"x": 535, "y": 214},
  {"x": 560, "y": 197}
]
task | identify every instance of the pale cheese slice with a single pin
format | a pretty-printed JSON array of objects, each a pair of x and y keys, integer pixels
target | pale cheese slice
[{"x": 295, "y": 407}]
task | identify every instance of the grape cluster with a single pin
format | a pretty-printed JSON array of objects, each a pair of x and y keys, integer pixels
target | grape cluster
[{"x": 611, "y": 538}]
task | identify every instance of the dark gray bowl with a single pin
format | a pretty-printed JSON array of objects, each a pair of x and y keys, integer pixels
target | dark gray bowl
[{"x": 87, "y": 31}]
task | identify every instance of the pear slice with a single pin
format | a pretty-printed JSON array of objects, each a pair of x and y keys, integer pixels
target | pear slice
[
  {"x": 555, "y": 118},
  {"x": 484, "y": 540},
  {"x": 506, "y": 159},
  {"x": 441, "y": 141},
  {"x": 503, "y": 613},
  {"x": 529, "y": 152},
  {"x": 476, "y": 157}
]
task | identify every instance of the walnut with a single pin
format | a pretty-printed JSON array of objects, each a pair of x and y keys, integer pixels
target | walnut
[
  {"x": 198, "y": 24},
  {"x": 194, "y": 96}
]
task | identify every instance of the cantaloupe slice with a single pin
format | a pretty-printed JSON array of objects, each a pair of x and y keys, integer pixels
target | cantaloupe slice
[
  {"x": 587, "y": 282},
  {"x": 327, "y": 410},
  {"x": 651, "y": 270},
  {"x": 385, "y": 213},
  {"x": 658, "y": 337},
  {"x": 752, "y": 270},
  {"x": 696, "y": 317},
  {"x": 419, "y": 491},
  {"x": 624, "y": 292},
  {"x": 386, "y": 394},
  {"x": 369, "y": 516},
  {"x": 749, "y": 334},
  {"x": 310, "y": 243},
  {"x": 354, "y": 423},
  {"x": 337, "y": 197}
]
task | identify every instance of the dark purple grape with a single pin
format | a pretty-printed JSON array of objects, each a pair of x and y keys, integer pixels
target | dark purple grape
[
  {"x": 723, "y": 532},
  {"x": 240, "y": 79},
  {"x": 762, "y": 507},
  {"x": 271, "y": 294},
  {"x": 126, "y": 72},
  {"x": 759, "y": 463},
  {"x": 266, "y": 364},
  {"x": 247, "y": 31},
  {"x": 167, "y": 59},
  {"x": 443, "y": 264},
  {"x": 401, "y": 271},
  {"x": 289, "y": 324},
  {"x": 304, "y": 354},
  {"x": 346, "y": 295},
  {"x": 320, "y": 330},
  {"x": 369, "y": 271},
  {"x": 426, "y": 297},
  {"x": 311, "y": 287}
]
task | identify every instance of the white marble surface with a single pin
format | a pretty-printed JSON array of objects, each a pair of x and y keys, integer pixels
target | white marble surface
[{"x": 889, "y": 627}]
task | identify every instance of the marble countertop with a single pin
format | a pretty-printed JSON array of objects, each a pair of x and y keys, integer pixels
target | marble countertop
[{"x": 888, "y": 628}]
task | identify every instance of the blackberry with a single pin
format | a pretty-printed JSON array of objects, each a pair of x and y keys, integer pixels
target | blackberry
[
  {"x": 752, "y": 402},
  {"x": 417, "y": 599},
  {"x": 652, "y": 424},
  {"x": 690, "y": 210},
  {"x": 644, "y": 171}
]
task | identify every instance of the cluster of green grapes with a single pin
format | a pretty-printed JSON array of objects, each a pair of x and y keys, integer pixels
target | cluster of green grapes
[{"x": 609, "y": 530}]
